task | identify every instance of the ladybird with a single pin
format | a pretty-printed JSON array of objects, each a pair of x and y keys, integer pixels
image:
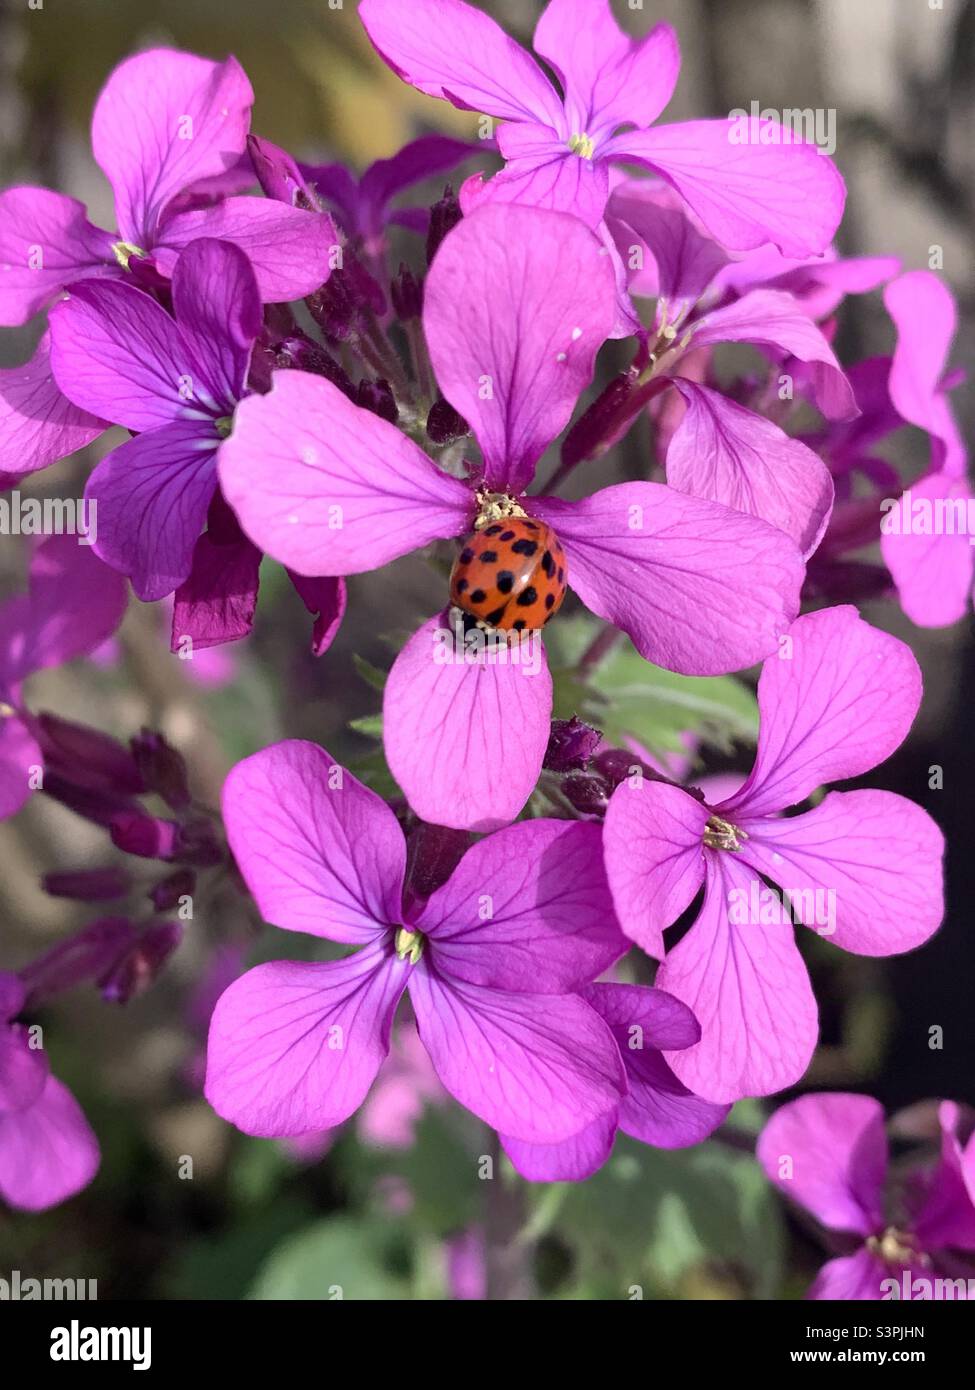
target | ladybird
[{"x": 510, "y": 575}]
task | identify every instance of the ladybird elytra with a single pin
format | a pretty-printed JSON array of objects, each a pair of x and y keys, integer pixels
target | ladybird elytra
[{"x": 510, "y": 575}]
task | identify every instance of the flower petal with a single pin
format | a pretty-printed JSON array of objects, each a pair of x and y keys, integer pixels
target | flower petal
[
  {"x": 516, "y": 305},
  {"x": 541, "y": 172},
  {"x": 320, "y": 852},
  {"x": 878, "y": 857},
  {"x": 47, "y": 1153},
  {"x": 527, "y": 909},
  {"x": 328, "y": 488},
  {"x": 481, "y": 715},
  {"x": 38, "y": 424},
  {"x": 19, "y": 754},
  {"x": 573, "y": 1160},
  {"x": 23, "y": 1070},
  {"x": 152, "y": 495},
  {"x": 839, "y": 698},
  {"x": 451, "y": 50},
  {"x": 699, "y": 588},
  {"x": 650, "y": 216},
  {"x": 749, "y": 989},
  {"x": 653, "y": 840},
  {"x": 926, "y": 319},
  {"x": 163, "y": 121},
  {"x": 837, "y": 1156},
  {"x": 536, "y": 1067},
  {"x": 216, "y": 601},
  {"x": 46, "y": 242},
  {"x": 748, "y": 182},
  {"x": 724, "y": 453},
  {"x": 218, "y": 310},
  {"x": 853, "y": 1278},
  {"x": 294, "y": 1047},
  {"x": 933, "y": 572}
]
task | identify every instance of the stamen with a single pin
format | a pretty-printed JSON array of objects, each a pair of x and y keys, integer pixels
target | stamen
[
  {"x": 495, "y": 506},
  {"x": 124, "y": 251},
  {"x": 583, "y": 145},
  {"x": 409, "y": 945},
  {"x": 224, "y": 425},
  {"x": 721, "y": 834},
  {"x": 896, "y": 1247}
]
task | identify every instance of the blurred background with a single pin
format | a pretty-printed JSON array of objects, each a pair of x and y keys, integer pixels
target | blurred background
[{"x": 409, "y": 1220}]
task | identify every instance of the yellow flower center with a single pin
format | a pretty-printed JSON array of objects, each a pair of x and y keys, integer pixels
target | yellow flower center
[
  {"x": 721, "y": 834},
  {"x": 583, "y": 146}
]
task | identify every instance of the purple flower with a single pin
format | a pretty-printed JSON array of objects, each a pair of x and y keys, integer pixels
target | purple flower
[
  {"x": 516, "y": 305},
  {"x": 491, "y": 960},
  {"x": 657, "y": 1108},
  {"x": 749, "y": 181},
  {"x": 829, "y": 1154},
  {"x": 165, "y": 123},
  {"x": 862, "y": 867},
  {"x": 72, "y": 605},
  {"x": 47, "y": 1149}
]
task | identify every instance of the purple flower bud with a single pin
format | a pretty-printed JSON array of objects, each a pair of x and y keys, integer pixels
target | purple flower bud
[
  {"x": 614, "y": 765},
  {"x": 432, "y": 854},
  {"x": 444, "y": 425},
  {"x": 279, "y": 175},
  {"x": 141, "y": 964},
  {"x": 587, "y": 793},
  {"x": 571, "y": 744},
  {"x": 101, "y": 807},
  {"x": 342, "y": 306},
  {"x": 198, "y": 843},
  {"x": 377, "y": 397},
  {"x": 406, "y": 292},
  {"x": 86, "y": 757},
  {"x": 147, "y": 836},
  {"x": 162, "y": 768},
  {"x": 300, "y": 351},
  {"x": 444, "y": 216},
  {"x": 85, "y": 955},
  {"x": 89, "y": 885},
  {"x": 165, "y": 894}
]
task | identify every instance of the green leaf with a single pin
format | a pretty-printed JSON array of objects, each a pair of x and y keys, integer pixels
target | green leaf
[
  {"x": 340, "y": 1258},
  {"x": 370, "y": 674},
  {"x": 369, "y": 724}
]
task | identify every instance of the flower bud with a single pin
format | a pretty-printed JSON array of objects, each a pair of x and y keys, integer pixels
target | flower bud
[
  {"x": 377, "y": 397},
  {"x": 89, "y": 885},
  {"x": 571, "y": 744},
  {"x": 86, "y": 757},
  {"x": 444, "y": 425},
  {"x": 444, "y": 216},
  {"x": 162, "y": 769},
  {"x": 141, "y": 964}
]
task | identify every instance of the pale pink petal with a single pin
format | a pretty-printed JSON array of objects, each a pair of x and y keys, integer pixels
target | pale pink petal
[
  {"x": 835, "y": 702},
  {"x": 926, "y": 319},
  {"x": 47, "y": 1153},
  {"x": 699, "y": 588},
  {"x": 23, "y": 1070},
  {"x": 654, "y": 849},
  {"x": 724, "y": 453},
  {"x": 933, "y": 572},
  {"x": 745, "y": 192},
  {"x": 38, "y": 424},
  {"x": 328, "y": 488},
  {"x": 294, "y": 1047},
  {"x": 19, "y": 756},
  {"x": 46, "y": 242},
  {"x": 542, "y": 173},
  {"x": 527, "y": 909},
  {"x": 516, "y": 306},
  {"x": 828, "y": 1153},
  {"x": 876, "y": 854},
  {"x": 748, "y": 987},
  {"x": 163, "y": 121},
  {"x": 946, "y": 1214},
  {"x": 573, "y": 1160},
  {"x": 449, "y": 723},
  {"x": 536, "y": 1067},
  {"x": 649, "y": 216},
  {"x": 451, "y": 50},
  {"x": 320, "y": 852}
]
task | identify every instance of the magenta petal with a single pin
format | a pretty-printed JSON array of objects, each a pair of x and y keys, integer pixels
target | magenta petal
[
  {"x": 748, "y": 987},
  {"x": 933, "y": 573},
  {"x": 516, "y": 306},
  {"x": 946, "y": 1217},
  {"x": 451, "y": 50},
  {"x": 219, "y": 313},
  {"x": 771, "y": 319},
  {"x": 327, "y": 488},
  {"x": 537, "y": 1067},
  {"x": 572, "y": 1160},
  {"x": 853, "y": 1278},
  {"x": 163, "y": 121},
  {"x": 153, "y": 494},
  {"x": 23, "y": 1070},
  {"x": 326, "y": 599},
  {"x": 294, "y": 1047},
  {"x": 609, "y": 78},
  {"x": 828, "y": 1152},
  {"x": 19, "y": 754},
  {"x": 479, "y": 715},
  {"x": 48, "y": 1152},
  {"x": 117, "y": 353},
  {"x": 541, "y": 173},
  {"x": 320, "y": 852},
  {"x": 926, "y": 319},
  {"x": 46, "y": 242},
  {"x": 724, "y": 453},
  {"x": 216, "y": 601},
  {"x": 878, "y": 855},
  {"x": 419, "y": 159},
  {"x": 38, "y": 424},
  {"x": 653, "y": 839},
  {"x": 745, "y": 193},
  {"x": 290, "y": 250},
  {"x": 527, "y": 909},
  {"x": 835, "y": 702},
  {"x": 699, "y": 588},
  {"x": 652, "y": 217}
]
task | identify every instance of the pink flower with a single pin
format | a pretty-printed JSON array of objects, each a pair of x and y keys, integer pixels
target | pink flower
[
  {"x": 863, "y": 867},
  {"x": 516, "y": 305},
  {"x": 491, "y": 961},
  {"x": 47, "y": 1149},
  {"x": 72, "y": 605},
  {"x": 829, "y": 1154},
  {"x": 559, "y": 149}
]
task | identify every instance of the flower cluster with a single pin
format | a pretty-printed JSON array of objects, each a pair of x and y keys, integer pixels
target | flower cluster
[{"x": 290, "y": 397}]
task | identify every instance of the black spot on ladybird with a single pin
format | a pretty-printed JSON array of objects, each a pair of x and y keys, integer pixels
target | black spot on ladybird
[
  {"x": 548, "y": 564},
  {"x": 478, "y": 596},
  {"x": 496, "y": 616},
  {"x": 505, "y": 581},
  {"x": 508, "y": 536},
  {"x": 461, "y": 585},
  {"x": 527, "y": 597},
  {"x": 492, "y": 530},
  {"x": 466, "y": 556},
  {"x": 525, "y": 547},
  {"x": 489, "y": 557},
  {"x": 549, "y": 600}
]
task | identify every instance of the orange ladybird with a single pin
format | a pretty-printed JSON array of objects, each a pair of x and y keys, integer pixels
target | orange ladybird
[{"x": 511, "y": 575}]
